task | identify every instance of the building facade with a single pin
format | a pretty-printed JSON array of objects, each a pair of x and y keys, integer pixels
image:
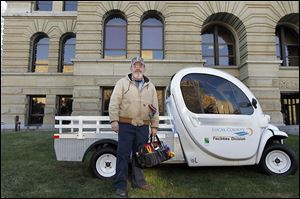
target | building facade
[
  {"x": 3, "y": 8},
  {"x": 64, "y": 57}
]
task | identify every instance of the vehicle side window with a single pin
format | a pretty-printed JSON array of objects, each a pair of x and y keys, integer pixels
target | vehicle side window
[
  {"x": 190, "y": 93},
  {"x": 210, "y": 94}
]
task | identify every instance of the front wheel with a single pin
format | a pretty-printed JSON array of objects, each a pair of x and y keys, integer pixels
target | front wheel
[
  {"x": 279, "y": 159},
  {"x": 103, "y": 163}
]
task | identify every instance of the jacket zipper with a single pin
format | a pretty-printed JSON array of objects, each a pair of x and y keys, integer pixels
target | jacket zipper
[{"x": 140, "y": 95}]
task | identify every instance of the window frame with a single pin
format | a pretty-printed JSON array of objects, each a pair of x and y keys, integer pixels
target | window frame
[
  {"x": 110, "y": 15},
  {"x": 61, "y": 52},
  {"x": 33, "y": 52},
  {"x": 59, "y": 102},
  {"x": 289, "y": 110},
  {"x": 216, "y": 55},
  {"x": 280, "y": 33},
  {"x": 158, "y": 16},
  {"x": 36, "y": 6},
  {"x": 103, "y": 89},
  {"x": 29, "y": 110},
  {"x": 64, "y": 6}
]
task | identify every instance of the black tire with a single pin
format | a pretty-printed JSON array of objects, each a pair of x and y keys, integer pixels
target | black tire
[
  {"x": 103, "y": 163},
  {"x": 279, "y": 159}
]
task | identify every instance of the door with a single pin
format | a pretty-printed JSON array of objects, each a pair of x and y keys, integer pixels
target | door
[{"x": 216, "y": 111}]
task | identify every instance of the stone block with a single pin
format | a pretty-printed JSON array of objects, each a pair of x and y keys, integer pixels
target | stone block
[
  {"x": 18, "y": 109},
  {"x": 265, "y": 93},
  {"x": 270, "y": 105},
  {"x": 86, "y": 92},
  {"x": 86, "y": 113},
  {"x": 10, "y": 90},
  {"x": 12, "y": 99}
]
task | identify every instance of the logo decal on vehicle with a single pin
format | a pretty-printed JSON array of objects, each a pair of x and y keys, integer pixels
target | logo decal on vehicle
[
  {"x": 206, "y": 140},
  {"x": 242, "y": 133},
  {"x": 239, "y": 134}
]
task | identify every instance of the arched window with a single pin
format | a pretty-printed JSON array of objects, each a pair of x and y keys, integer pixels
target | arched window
[
  {"x": 70, "y": 6},
  {"x": 40, "y": 51},
  {"x": 218, "y": 46},
  {"x": 67, "y": 52},
  {"x": 152, "y": 37},
  {"x": 115, "y": 36},
  {"x": 287, "y": 46},
  {"x": 43, "y": 6}
]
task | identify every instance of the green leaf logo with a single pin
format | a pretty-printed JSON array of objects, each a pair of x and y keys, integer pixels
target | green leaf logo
[{"x": 206, "y": 140}]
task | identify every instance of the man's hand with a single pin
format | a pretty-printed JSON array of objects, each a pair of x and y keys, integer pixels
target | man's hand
[
  {"x": 115, "y": 126},
  {"x": 153, "y": 131}
]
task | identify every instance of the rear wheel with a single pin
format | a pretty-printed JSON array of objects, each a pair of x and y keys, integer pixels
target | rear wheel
[
  {"x": 279, "y": 159},
  {"x": 103, "y": 163}
]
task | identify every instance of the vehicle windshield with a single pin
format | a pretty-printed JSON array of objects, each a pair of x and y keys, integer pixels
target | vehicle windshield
[{"x": 203, "y": 93}]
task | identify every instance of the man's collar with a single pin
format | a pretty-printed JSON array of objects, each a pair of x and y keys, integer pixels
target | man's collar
[{"x": 146, "y": 79}]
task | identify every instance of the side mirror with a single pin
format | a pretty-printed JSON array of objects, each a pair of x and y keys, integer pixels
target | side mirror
[{"x": 254, "y": 103}]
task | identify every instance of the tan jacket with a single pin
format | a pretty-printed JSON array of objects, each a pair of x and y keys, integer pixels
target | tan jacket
[{"x": 128, "y": 102}]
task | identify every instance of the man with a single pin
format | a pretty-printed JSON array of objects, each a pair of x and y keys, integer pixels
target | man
[{"x": 133, "y": 108}]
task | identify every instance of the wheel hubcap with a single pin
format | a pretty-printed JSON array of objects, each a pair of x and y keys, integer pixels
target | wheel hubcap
[
  {"x": 278, "y": 161},
  {"x": 106, "y": 165}
]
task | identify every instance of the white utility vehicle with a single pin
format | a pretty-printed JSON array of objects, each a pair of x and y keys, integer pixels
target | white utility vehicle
[{"x": 213, "y": 120}]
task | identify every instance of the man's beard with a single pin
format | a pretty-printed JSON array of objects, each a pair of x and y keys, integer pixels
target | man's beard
[{"x": 137, "y": 75}]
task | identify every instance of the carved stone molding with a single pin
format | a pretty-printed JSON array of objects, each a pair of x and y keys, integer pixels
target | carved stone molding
[{"x": 288, "y": 84}]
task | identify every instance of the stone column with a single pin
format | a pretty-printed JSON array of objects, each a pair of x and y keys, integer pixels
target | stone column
[
  {"x": 89, "y": 31},
  {"x": 86, "y": 101},
  {"x": 49, "y": 112},
  {"x": 53, "y": 55},
  {"x": 133, "y": 36}
]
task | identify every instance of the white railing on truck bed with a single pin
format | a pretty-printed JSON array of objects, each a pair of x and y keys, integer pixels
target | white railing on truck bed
[{"x": 95, "y": 123}]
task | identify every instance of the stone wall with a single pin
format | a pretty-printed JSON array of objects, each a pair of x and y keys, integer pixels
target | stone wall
[{"x": 252, "y": 23}]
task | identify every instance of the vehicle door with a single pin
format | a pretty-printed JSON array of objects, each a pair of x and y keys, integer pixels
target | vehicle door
[{"x": 217, "y": 112}]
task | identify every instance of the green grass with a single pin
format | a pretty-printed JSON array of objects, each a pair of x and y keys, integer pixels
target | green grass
[{"x": 29, "y": 169}]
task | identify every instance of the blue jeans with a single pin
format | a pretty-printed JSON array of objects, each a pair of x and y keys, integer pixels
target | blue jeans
[{"x": 129, "y": 138}]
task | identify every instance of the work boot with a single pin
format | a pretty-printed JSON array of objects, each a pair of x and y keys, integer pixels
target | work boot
[{"x": 121, "y": 193}]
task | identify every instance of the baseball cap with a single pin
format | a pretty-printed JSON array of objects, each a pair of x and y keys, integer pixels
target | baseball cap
[{"x": 137, "y": 59}]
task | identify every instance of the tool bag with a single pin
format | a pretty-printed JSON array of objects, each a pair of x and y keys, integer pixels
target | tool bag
[{"x": 153, "y": 153}]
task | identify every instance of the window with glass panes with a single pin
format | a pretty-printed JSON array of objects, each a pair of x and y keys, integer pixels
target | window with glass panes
[
  {"x": 40, "y": 50},
  {"x": 106, "y": 94},
  {"x": 290, "y": 108},
  {"x": 67, "y": 52},
  {"x": 43, "y": 6},
  {"x": 36, "y": 109},
  {"x": 70, "y": 6},
  {"x": 218, "y": 46},
  {"x": 287, "y": 46},
  {"x": 64, "y": 105},
  {"x": 152, "y": 37},
  {"x": 115, "y": 37}
]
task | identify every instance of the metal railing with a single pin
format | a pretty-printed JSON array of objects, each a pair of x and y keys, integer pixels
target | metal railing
[{"x": 96, "y": 123}]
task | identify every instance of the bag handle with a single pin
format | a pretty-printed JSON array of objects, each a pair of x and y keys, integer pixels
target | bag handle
[{"x": 151, "y": 138}]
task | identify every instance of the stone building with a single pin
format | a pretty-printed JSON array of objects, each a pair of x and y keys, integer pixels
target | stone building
[{"x": 64, "y": 57}]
